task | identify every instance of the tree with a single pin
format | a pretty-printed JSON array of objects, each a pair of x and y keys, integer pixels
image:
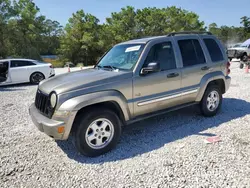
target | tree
[
  {"x": 130, "y": 23},
  {"x": 5, "y": 14},
  {"x": 80, "y": 43},
  {"x": 122, "y": 25},
  {"x": 245, "y": 21},
  {"x": 25, "y": 34}
]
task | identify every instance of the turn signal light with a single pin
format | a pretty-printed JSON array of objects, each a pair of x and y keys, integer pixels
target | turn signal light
[{"x": 60, "y": 129}]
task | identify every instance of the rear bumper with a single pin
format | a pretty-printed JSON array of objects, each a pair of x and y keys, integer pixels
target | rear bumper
[
  {"x": 50, "y": 126},
  {"x": 52, "y": 73}
]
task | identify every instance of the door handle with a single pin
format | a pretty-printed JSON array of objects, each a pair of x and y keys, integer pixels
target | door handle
[
  {"x": 205, "y": 68},
  {"x": 172, "y": 75}
]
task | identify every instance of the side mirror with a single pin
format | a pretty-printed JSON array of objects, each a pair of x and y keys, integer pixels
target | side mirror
[{"x": 152, "y": 67}]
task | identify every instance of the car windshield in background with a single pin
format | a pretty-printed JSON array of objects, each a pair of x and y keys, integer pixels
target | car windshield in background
[
  {"x": 237, "y": 45},
  {"x": 122, "y": 57}
]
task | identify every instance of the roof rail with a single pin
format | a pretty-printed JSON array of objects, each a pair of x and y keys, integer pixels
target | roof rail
[{"x": 189, "y": 32}]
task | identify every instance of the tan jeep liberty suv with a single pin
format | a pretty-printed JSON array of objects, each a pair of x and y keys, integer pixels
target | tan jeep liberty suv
[{"x": 134, "y": 80}]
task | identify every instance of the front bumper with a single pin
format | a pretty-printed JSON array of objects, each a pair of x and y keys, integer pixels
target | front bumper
[
  {"x": 227, "y": 82},
  {"x": 51, "y": 126}
]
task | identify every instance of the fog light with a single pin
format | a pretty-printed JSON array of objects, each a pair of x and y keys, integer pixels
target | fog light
[{"x": 60, "y": 129}]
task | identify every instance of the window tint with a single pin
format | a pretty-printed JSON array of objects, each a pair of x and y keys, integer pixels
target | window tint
[
  {"x": 214, "y": 50},
  {"x": 199, "y": 52},
  {"x": 18, "y": 63},
  {"x": 163, "y": 54},
  {"x": 191, "y": 52}
]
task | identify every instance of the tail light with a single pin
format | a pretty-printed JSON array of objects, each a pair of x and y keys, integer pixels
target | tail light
[{"x": 228, "y": 68}]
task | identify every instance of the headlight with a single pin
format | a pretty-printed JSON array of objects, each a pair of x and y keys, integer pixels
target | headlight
[{"x": 53, "y": 100}]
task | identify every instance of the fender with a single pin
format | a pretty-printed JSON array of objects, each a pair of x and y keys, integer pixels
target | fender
[
  {"x": 77, "y": 103},
  {"x": 205, "y": 81}
]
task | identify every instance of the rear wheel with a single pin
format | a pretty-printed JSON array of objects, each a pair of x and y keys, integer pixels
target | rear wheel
[
  {"x": 245, "y": 57},
  {"x": 97, "y": 132},
  {"x": 36, "y": 77},
  {"x": 211, "y": 101}
]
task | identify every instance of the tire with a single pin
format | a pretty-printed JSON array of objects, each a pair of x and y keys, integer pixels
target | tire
[
  {"x": 241, "y": 65},
  {"x": 210, "y": 108},
  {"x": 90, "y": 132},
  {"x": 36, "y": 77},
  {"x": 245, "y": 57}
]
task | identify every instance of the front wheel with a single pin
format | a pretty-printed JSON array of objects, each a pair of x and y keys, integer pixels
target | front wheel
[
  {"x": 211, "y": 101},
  {"x": 97, "y": 132}
]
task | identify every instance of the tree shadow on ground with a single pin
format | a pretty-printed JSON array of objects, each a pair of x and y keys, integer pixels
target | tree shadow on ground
[{"x": 152, "y": 134}]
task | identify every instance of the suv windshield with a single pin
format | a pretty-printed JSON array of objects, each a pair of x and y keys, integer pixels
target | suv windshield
[{"x": 122, "y": 57}]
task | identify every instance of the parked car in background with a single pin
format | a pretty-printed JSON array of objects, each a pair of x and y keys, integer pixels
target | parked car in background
[
  {"x": 135, "y": 80},
  {"x": 14, "y": 71},
  {"x": 241, "y": 52},
  {"x": 69, "y": 64},
  {"x": 234, "y": 45}
]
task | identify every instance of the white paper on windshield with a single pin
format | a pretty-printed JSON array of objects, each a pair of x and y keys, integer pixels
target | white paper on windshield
[{"x": 134, "y": 48}]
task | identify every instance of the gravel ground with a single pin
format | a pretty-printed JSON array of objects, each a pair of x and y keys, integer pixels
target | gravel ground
[{"x": 166, "y": 151}]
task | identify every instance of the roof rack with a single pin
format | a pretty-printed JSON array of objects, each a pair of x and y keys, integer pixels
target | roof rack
[{"x": 189, "y": 32}]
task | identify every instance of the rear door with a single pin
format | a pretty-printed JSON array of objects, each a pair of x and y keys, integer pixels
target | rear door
[
  {"x": 19, "y": 71},
  {"x": 194, "y": 65}
]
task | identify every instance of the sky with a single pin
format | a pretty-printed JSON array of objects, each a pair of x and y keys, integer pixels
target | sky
[{"x": 222, "y": 12}]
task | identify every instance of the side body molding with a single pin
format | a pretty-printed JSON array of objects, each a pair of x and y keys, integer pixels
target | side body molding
[{"x": 77, "y": 103}]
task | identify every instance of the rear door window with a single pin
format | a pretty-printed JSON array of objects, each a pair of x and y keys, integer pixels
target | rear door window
[
  {"x": 191, "y": 52},
  {"x": 214, "y": 50},
  {"x": 19, "y": 63}
]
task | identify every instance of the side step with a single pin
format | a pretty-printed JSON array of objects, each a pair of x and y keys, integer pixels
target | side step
[{"x": 161, "y": 112}]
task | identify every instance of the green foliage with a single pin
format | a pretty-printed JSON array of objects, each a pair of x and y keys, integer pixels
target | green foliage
[
  {"x": 55, "y": 62},
  {"x": 230, "y": 35},
  {"x": 25, "y": 33},
  {"x": 80, "y": 43},
  {"x": 85, "y": 40}
]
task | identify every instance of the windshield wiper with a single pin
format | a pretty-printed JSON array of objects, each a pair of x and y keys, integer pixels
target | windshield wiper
[{"x": 107, "y": 67}]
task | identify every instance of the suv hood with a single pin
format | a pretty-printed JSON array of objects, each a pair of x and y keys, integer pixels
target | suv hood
[{"x": 81, "y": 79}]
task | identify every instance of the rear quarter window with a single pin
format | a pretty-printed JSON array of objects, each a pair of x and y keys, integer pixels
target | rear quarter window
[
  {"x": 214, "y": 50},
  {"x": 20, "y": 63}
]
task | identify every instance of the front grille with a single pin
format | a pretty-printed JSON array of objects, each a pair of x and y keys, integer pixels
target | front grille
[{"x": 42, "y": 104}]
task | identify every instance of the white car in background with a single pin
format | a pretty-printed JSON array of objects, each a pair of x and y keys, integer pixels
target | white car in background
[{"x": 15, "y": 71}]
